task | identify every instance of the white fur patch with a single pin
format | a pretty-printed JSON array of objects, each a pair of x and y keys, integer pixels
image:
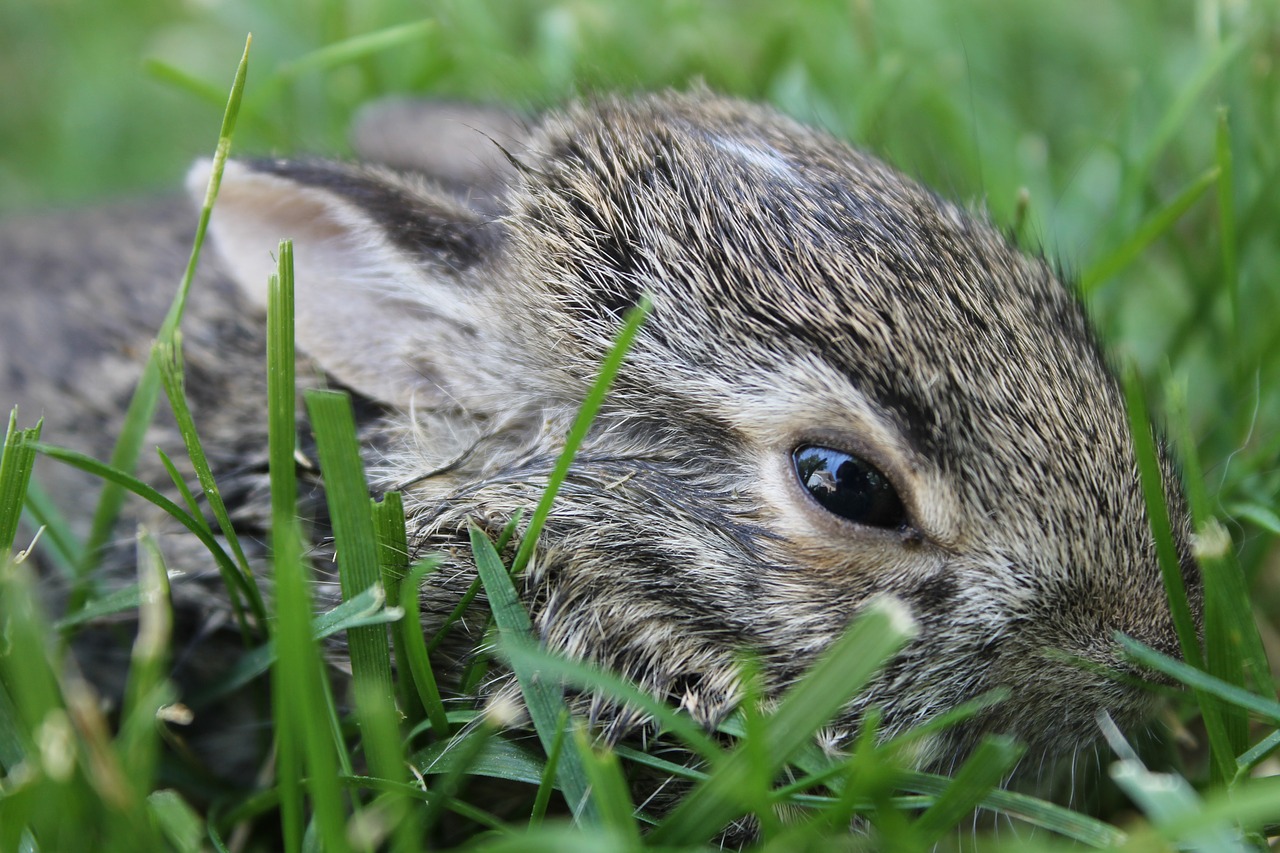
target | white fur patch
[{"x": 762, "y": 156}]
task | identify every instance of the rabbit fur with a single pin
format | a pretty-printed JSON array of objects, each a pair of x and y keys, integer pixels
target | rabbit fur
[{"x": 804, "y": 294}]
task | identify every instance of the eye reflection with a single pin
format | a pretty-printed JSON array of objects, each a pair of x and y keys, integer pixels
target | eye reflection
[{"x": 849, "y": 487}]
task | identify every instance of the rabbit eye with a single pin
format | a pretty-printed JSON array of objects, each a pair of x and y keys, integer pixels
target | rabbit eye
[{"x": 849, "y": 487}]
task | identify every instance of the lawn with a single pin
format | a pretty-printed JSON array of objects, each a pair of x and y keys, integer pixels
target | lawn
[{"x": 1131, "y": 142}]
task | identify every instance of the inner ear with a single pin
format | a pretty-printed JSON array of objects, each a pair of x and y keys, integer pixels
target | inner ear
[{"x": 383, "y": 266}]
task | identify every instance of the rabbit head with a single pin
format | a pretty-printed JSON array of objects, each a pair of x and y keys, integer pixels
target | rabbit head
[{"x": 847, "y": 388}]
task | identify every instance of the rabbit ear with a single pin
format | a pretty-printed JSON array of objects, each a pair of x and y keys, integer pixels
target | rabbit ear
[{"x": 381, "y": 269}]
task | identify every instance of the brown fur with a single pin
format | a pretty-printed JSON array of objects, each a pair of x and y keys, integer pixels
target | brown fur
[{"x": 803, "y": 292}]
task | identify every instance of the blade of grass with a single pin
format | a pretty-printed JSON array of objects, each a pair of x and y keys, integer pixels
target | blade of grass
[
  {"x": 16, "y": 461},
  {"x": 300, "y": 702},
  {"x": 578, "y": 431},
  {"x": 1255, "y": 755},
  {"x": 1147, "y": 231},
  {"x": 878, "y": 632},
  {"x": 1233, "y": 646},
  {"x": 467, "y": 749},
  {"x": 1152, "y": 482},
  {"x": 351, "y": 514},
  {"x": 146, "y": 688},
  {"x": 393, "y": 566},
  {"x": 1201, "y": 681},
  {"x": 180, "y": 823},
  {"x": 358, "y": 47},
  {"x": 414, "y": 647},
  {"x": 67, "y": 551},
  {"x": 991, "y": 761},
  {"x": 528, "y": 655},
  {"x": 335, "y": 55},
  {"x": 1253, "y": 804},
  {"x": 608, "y": 787},
  {"x": 547, "y": 783},
  {"x": 232, "y": 584},
  {"x": 1055, "y": 818},
  {"x": 168, "y": 354},
  {"x": 133, "y": 484},
  {"x": 172, "y": 75},
  {"x": 472, "y": 591},
  {"x": 1164, "y": 797},
  {"x": 184, "y": 492},
  {"x": 380, "y": 740},
  {"x": 146, "y": 396},
  {"x": 367, "y": 608},
  {"x": 1176, "y": 114},
  {"x": 13, "y": 744},
  {"x": 543, "y": 697},
  {"x": 1227, "y": 237},
  {"x": 499, "y": 759}
]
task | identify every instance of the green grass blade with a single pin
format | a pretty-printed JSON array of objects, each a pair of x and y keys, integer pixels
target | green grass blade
[
  {"x": 16, "y": 462},
  {"x": 1161, "y": 526},
  {"x": 878, "y": 632},
  {"x": 358, "y": 47},
  {"x": 1165, "y": 797},
  {"x": 300, "y": 700},
  {"x": 547, "y": 783},
  {"x": 13, "y": 744},
  {"x": 133, "y": 484},
  {"x": 608, "y": 787},
  {"x": 1230, "y": 281},
  {"x": 498, "y": 759},
  {"x": 173, "y": 76},
  {"x": 1263, "y": 516},
  {"x": 169, "y": 356},
  {"x": 526, "y": 654},
  {"x": 543, "y": 697},
  {"x": 1152, "y": 227},
  {"x": 393, "y": 566},
  {"x": 578, "y": 431},
  {"x": 1233, "y": 646},
  {"x": 1152, "y": 482},
  {"x": 282, "y": 418},
  {"x": 464, "y": 603},
  {"x": 366, "y": 608},
  {"x": 991, "y": 761},
  {"x": 355, "y": 538},
  {"x": 1254, "y": 804},
  {"x": 1037, "y": 812},
  {"x": 1256, "y": 754},
  {"x": 127, "y": 598},
  {"x": 465, "y": 752},
  {"x": 184, "y": 492},
  {"x": 142, "y": 407},
  {"x": 67, "y": 552},
  {"x": 1176, "y": 115},
  {"x": 1201, "y": 681},
  {"x": 180, "y": 823},
  {"x": 414, "y": 646}
]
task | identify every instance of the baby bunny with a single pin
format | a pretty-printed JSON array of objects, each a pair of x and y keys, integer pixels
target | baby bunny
[{"x": 847, "y": 388}]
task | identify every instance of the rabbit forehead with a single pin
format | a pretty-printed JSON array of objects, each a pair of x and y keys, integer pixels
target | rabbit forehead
[{"x": 762, "y": 241}]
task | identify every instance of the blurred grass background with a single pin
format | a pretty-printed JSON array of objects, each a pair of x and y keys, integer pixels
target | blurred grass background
[{"x": 1079, "y": 126}]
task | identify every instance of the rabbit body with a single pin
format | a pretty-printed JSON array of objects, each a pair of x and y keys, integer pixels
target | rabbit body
[{"x": 805, "y": 295}]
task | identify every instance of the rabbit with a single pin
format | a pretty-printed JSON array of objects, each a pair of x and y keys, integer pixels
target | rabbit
[{"x": 847, "y": 388}]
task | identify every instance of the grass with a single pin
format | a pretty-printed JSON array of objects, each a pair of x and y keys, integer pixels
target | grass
[{"x": 1132, "y": 140}]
